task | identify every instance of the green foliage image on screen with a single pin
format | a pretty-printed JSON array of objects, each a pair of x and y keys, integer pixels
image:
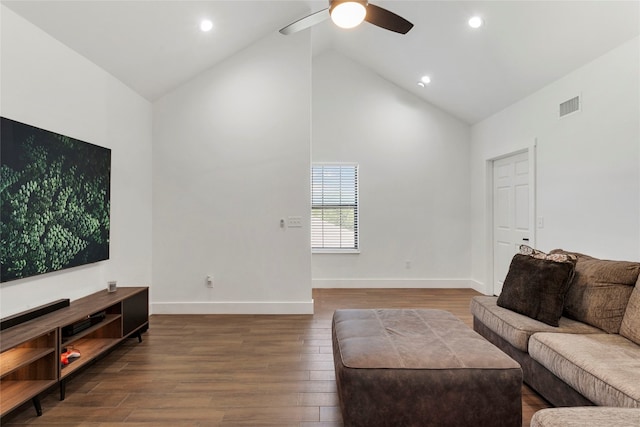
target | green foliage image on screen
[{"x": 54, "y": 201}]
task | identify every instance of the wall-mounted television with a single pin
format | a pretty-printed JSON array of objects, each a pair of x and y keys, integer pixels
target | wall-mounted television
[{"x": 54, "y": 201}]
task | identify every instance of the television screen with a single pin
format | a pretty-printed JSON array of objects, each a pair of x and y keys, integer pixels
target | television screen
[{"x": 54, "y": 201}]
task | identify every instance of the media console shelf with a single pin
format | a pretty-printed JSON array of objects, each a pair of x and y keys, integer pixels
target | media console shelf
[
  {"x": 27, "y": 367},
  {"x": 30, "y": 352}
]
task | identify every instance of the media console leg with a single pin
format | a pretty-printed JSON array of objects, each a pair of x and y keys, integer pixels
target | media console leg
[
  {"x": 139, "y": 336},
  {"x": 36, "y": 404},
  {"x": 63, "y": 389}
]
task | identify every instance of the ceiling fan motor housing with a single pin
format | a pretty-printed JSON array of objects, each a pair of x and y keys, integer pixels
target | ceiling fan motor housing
[{"x": 334, "y": 3}]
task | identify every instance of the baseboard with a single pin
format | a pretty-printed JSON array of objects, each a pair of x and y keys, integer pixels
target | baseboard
[
  {"x": 392, "y": 283},
  {"x": 233, "y": 307},
  {"x": 479, "y": 286}
]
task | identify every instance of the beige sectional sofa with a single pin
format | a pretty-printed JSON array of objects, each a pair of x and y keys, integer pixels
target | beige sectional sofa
[
  {"x": 592, "y": 356},
  {"x": 600, "y": 416}
]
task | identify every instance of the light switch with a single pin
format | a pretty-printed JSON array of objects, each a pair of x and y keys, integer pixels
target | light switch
[{"x": 294, "y": 222}]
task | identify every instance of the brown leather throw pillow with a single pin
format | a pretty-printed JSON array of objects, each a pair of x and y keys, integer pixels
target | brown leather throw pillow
[{"x": 536, "y": 286}]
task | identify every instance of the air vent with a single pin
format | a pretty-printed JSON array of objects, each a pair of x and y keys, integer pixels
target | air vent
[{"x": 570, "y": 106}]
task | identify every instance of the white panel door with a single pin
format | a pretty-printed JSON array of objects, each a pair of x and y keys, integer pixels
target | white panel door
[{"x": 511, "y": 213}]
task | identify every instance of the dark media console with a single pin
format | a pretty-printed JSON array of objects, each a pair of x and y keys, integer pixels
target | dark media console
[{"x": 31, "y": 349}]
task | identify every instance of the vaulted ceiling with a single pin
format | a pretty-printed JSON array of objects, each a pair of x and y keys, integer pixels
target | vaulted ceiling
[{"x": 154, "y": 46}]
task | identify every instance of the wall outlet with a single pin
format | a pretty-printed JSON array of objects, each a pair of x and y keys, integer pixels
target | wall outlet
[{"x": 210, "y": 281}]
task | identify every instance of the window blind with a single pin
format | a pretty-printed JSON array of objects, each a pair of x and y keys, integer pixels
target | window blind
[{"x": 334, "y": 206}]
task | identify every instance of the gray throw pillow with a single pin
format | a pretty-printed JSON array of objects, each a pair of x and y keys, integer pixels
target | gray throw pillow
[
  {"x": 600, "y": 291},
  {"x": 630, "y": 328}
]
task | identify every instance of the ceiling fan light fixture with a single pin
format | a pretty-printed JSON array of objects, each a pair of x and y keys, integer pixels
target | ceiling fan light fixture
[{"x": 348, "y": 14}]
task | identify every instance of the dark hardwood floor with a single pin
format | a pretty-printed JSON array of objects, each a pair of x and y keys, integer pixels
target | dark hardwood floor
[{"x": 230, "y": 370}]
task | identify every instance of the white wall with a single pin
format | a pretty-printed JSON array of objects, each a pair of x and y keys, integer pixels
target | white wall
[
  {"x": 45, "y": 84},
  {"x": 588, "y": 172},
  {"x": 414, "y": 180},
  {"x": 231, "y": 158}
]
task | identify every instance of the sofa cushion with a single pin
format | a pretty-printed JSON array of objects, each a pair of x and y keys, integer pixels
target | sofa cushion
[
  {"x": 536, "y": 287},
  {"x": 600, "y": 290},
  {"x": 630, "y": 327},
  {"x": 589, "y": 416},
  {"x": 604, "y": 368},
  {"x": 517, "y": 328}
]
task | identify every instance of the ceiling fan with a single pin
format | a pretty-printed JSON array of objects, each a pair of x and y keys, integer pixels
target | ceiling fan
[{"x": 349, "y": 14}]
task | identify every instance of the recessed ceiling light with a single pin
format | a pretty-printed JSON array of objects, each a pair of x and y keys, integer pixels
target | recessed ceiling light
[
  {"x": 206, "y": 25},
  {"x": 425, "y": 80},
  {"x": 475, "y": 22}
]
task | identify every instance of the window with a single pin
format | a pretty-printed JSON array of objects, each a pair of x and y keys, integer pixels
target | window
[{"x": 334, "y": 207}]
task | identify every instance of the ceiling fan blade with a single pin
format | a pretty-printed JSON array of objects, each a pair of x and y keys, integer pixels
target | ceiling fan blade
[
  {"x": 306, "y": 22},
  {"x": 386, "y": 19}
]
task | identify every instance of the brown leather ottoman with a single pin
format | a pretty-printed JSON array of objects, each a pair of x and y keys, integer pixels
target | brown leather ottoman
[{"x": 421, "y": 368}]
